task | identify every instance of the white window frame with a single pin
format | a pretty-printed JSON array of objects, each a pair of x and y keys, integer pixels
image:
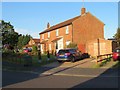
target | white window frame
[
  {"x": 57, "y": 32},
  {"x": 68, "y": 42},
  {"x": 42, "y": 36},
  {"x": 48, "y": 34},
  {"x": 67, "y": 30}
]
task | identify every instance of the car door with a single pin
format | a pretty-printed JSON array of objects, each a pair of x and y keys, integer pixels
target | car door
[{"x": 78, "y": 54}]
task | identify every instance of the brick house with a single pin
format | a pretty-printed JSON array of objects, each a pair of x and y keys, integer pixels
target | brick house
[
  {"x": 79, "y": 30},
  {"x": 32, "y": 42}
]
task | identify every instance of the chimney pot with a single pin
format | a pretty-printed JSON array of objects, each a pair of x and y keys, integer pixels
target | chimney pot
[
  {"x": 83, "y": 10},
  {"x": 48, "y": 25}
]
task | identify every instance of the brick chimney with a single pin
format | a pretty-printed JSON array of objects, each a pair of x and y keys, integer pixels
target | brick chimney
[
  {"x": 83, "y": 10},
  {"x": 48, "y": 25}
]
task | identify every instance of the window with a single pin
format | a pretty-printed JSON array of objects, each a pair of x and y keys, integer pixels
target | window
[
  {"x": 67, "y": 43},
  {"x": 67, "y": 30},
  {"x": 48, "y": 34},
  {"x": 50, "y": 47},
  {"x": 57, "y": 32},
  {"x": 42, "y": 36}
]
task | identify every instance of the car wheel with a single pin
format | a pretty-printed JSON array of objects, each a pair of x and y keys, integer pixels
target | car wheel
[
  {"x": 59, "y": 61},
  {"x": 73, "y": 59}
]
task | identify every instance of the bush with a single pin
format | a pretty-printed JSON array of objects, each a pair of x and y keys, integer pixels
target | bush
[
  {"x": 72, "y": 45},
  {"x": 34, "y": 49}
]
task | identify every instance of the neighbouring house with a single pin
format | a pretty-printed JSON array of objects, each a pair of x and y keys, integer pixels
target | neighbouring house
[
  {"x": 32, "y": 42},
  {"x": 115, "y": 44},
  {"x": 80, "y": 30}
]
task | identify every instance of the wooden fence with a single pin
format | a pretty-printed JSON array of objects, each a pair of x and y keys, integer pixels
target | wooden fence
[{"x": 101, "y": 58}]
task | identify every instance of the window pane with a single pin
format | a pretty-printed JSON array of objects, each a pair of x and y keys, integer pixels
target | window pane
[{"x": 67, "y": 30}]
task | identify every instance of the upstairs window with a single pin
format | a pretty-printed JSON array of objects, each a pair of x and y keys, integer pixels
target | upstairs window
[
  {"x": 67, "y": 30},
  {"x": 57, "y": 32},
  {"x": 42, "y": 36},
  {"x": 48, "y": 34}
]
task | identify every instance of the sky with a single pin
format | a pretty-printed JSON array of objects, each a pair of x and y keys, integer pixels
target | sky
[{"x": 32, "y": 17}]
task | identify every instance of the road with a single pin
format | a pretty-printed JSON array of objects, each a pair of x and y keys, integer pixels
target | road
[{"x": 63, "y": 77}]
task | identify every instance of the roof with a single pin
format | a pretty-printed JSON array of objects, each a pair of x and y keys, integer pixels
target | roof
[
  {"x": 67, "y": 22},
  {"x": 44, "y": 41},
  {"x": 56, "y": 39},
  {"x": 36, "y": 40}
]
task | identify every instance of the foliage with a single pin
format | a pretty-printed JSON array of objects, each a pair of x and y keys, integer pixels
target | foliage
[
  {"x": 117, "y": 35},
  {"x": 72, "y": 45},
  {"x": 23, "y": 40},
  {"x": 9, "y": 36},
  {"x": 34, "y": 48}
]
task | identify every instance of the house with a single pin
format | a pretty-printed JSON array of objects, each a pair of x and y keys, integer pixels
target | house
[
  {"x": 115, "y": 44},
  {"x": 32, "y": 42},
  {"x": 79, "y": 30}
]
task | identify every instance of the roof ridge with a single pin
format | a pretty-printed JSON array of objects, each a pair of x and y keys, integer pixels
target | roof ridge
[{"x": 68, "y": 21}]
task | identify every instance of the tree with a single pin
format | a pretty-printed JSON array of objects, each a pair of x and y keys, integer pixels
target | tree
[
  {"x": 23, "y": 40},
  {"x": 117, "y": 35},
  {"x": 9, "y": 36},
  {"x": 72, "y": 45}
]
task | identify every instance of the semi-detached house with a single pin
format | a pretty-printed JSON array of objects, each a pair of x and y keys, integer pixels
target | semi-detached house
[{"x": 79, "y": 30}]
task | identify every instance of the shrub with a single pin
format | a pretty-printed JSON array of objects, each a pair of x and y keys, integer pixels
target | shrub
[
  {"x": 72, "y": 45},
  {"x": 34, "y": 48}
]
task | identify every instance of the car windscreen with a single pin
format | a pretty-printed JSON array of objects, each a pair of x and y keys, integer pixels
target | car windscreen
[
  {"x": 63, "y": 51},
  {"x": 117, "y": 50},
  {"x": 72, "y": 50}
]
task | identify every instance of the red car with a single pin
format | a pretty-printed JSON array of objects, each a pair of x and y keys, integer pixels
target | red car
[
  {"x": 116, "y": 54},
  {"x": 26, "y": 50}
]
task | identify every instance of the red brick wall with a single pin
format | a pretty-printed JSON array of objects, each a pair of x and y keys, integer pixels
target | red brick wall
[
  {"x": 62, "y": 32},
  {"x": 86, "y": 28}
]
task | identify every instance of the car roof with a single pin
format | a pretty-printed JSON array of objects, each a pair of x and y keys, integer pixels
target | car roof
[{"x": 68, "y": 49}]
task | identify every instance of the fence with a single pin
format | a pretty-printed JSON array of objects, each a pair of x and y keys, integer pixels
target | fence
[{"x": 106, "y": 57}]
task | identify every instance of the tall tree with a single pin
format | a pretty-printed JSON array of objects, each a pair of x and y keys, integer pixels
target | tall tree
[
  {"x": 117, "y": 35},
  {"x": 23, "y": 40},
  {"x": 9, "y": 36}
]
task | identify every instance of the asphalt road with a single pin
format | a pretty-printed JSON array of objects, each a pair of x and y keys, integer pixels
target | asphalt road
[
  {"x": 62, "y": 76},
  {"x": 107, "y": 79}
]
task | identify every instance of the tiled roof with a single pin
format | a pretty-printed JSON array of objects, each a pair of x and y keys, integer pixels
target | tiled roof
[
  {"x": 36, "y": 40},
  {"x": 67, "y": 22}
]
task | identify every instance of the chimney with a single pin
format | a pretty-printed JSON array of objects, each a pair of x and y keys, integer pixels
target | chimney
[
  {"x": 83, "y": 10},
  {"x": 48, "y": 25}
]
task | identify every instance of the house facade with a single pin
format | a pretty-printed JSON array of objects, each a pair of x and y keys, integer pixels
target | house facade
[
  {"x": 32, "y": 42},
  {"x": 79, "y": 30}
]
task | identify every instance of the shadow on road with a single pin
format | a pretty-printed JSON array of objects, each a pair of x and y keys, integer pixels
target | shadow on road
[
  {"x": 108, "y": 79},
  {"x": 13, "y": 76}
]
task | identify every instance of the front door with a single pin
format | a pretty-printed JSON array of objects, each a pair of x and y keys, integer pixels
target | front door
[{"x": 59, "y": 44}]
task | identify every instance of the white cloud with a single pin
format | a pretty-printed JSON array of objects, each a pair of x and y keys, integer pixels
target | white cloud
[{"x": 26, "y": 31}]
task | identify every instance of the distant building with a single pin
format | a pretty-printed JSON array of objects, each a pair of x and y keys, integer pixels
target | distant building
[
  {"x": 33, "y": 42},
  {"x": 114, "y": 43}
]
